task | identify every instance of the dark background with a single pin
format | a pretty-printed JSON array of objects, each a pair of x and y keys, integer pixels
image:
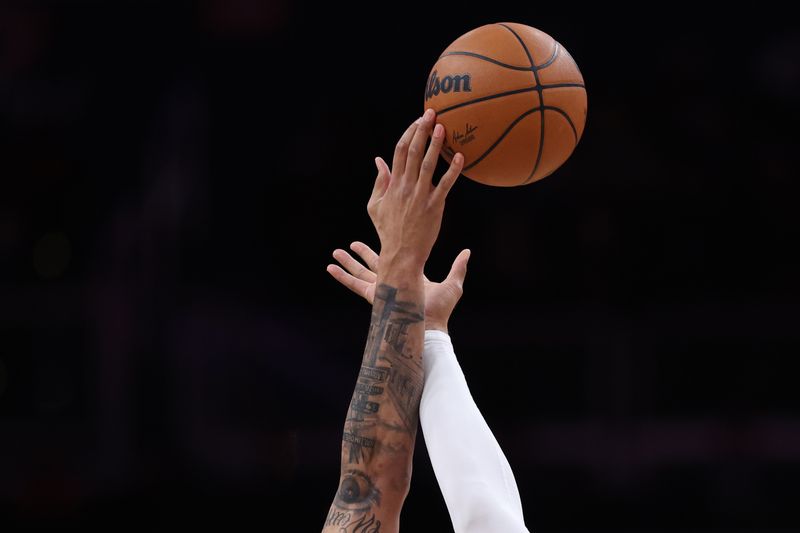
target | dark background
[{"x": 174, "y": 176}]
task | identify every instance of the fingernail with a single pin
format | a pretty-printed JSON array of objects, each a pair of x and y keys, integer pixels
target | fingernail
[
  {"x": 438, "y": 131},
  {"x": 428, "y": 114},
  {"x": 458, "y": 158}
]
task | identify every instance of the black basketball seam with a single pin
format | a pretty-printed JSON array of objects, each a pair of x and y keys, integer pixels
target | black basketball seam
[
  {"x": 484, "y": 98},
  {"x": 546, "y": 64},
  {"x": 559, "y": 85},
  {"x": 541, "y": 102},
  {"x": 499, "y": 140},
  {"x": 566, "y": 116},
  {"x": 533, "y": 67},
  {"x": 552, "y": 58},
  {"x": 484, "y": 58},
  {"x": 507, "y": 93}
]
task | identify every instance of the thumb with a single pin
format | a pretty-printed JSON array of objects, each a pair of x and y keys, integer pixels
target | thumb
[
  {"x": 459, "y": 269},
  {"x": 382, "y": 180}
]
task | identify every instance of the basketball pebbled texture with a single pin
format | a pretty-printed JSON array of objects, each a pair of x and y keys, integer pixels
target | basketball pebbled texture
[{"x": 512, "y": 100}]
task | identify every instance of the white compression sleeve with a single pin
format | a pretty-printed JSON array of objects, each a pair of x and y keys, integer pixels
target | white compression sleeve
[{"x": 474, "y": 475}]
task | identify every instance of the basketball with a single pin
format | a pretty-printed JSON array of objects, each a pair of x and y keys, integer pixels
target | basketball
[{"x": 512, "y": 100}]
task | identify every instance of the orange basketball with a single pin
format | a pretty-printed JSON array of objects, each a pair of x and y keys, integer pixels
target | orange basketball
[{"x": 512, "y": 101}]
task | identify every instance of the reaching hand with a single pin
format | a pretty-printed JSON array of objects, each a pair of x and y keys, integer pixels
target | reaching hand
[
  {"x": 440, "y": 298},
  {"x": 405, "y": 207}
]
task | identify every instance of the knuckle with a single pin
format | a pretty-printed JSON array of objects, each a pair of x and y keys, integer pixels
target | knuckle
[
  {"x": 402, "y": 146},
  {"x": 413, "y": 151},
  {"x": 428, "y": 165}
]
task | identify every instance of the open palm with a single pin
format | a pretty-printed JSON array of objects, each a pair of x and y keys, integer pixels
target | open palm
[{"x": 440, "y": 298}]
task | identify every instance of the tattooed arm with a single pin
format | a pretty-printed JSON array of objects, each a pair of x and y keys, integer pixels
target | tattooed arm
[
  {"x": 476, "y": 479},
  {"x": 381, "y": 424}
]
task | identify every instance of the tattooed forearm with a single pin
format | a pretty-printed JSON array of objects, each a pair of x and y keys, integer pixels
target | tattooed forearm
[
  {"x": 361, "y": 404},
  {"x": 365, "y": 524},
  {"x": 388, "y": 366},
  {"x": 368, "y": 389},
  {"x": 361, "y": 441},
  {"x": 376, "y": 374},
  {"x": 337, "y": 518},
  {"x": 381, "y": 424},
  {"x": 345, "y": 523},
  {"x": 390, "y": 323},
  {"x": 360, "y": 448},
  {"x": 357, "y": 492}
]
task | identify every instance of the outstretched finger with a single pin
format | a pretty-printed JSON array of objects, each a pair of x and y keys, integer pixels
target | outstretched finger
[
  {"x": 401, "y": 150},
  {"x": 431, "y": 157},
  {"x": 358, "y": 286},
  {"x": 416, "y": 150},
  {"x": 354, "y": 267},
  {"x": 449, "y": 178},
  {"x": 366, "y": 253}
]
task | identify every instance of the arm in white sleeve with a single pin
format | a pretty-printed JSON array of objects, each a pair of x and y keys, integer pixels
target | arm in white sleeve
[{"x": 474, "y": 475}]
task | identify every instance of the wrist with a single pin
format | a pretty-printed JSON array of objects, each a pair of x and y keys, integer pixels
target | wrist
[
  {"x": 400, "y": 263},
  {"x": 436, "y": 325},
  {"x": 401, "y": 275}
]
